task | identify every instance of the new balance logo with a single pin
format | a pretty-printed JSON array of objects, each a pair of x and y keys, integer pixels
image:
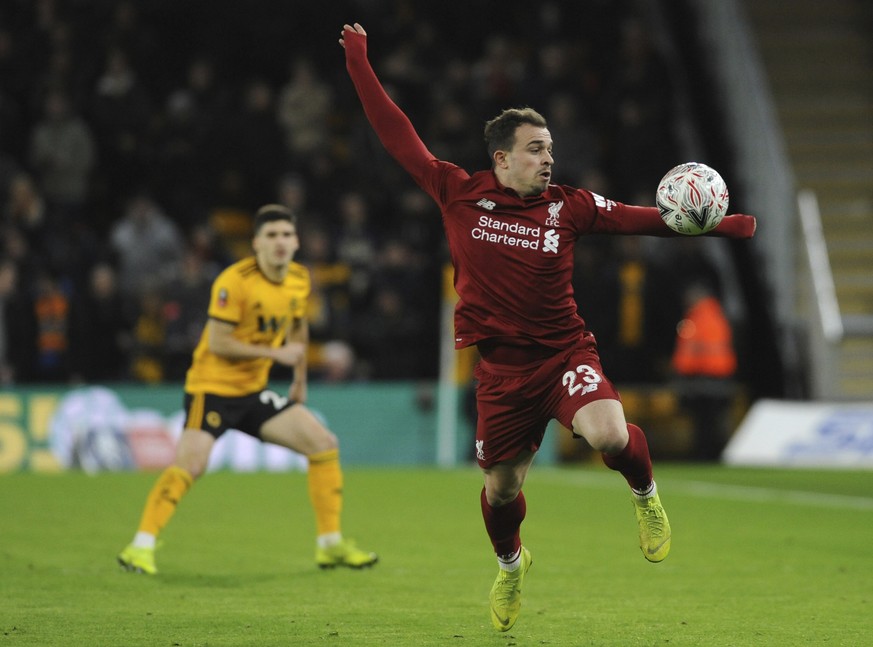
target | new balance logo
[
  {"x": 486, "y": 204},
  {"x": 550, "y": 244},
  {"x": 602, "y": 202}
]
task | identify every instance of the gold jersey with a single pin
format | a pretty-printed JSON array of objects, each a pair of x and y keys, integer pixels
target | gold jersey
[{"x": 262, "y": 311}]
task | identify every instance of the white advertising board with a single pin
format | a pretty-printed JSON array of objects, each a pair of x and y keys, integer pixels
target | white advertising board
[{"x": 804, "y": 434}]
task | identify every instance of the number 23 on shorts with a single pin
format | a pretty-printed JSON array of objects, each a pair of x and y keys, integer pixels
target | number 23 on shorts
[{"x": 584, "y": 379}]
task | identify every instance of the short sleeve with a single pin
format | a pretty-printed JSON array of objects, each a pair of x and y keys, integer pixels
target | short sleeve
[{"x": 227, "y": 299}]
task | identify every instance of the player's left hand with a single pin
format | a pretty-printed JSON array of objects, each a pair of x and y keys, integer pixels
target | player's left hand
[
  {"x": 736, "y": 225},
  {"x": 297, "y": 392}
]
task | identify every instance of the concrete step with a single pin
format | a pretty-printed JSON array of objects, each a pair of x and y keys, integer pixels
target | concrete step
[
  {"x": 825, "y": 166},
  {"x": 797, "y": 83},
  {"x": 855, "y": 307},
  {"x": 837, "y": 65},
  {"x": 846, "y": 257},
  {"x": 818, "y": 59},
  {"x": 851, "y": 247},
  {"x": 771, "y": 17},
  {"x": 842, "y": 207},
  {"x": 804, "y": 40},
  {"x": 836, "y": 135},
  {"x": 855, "y": 389},
  {"x": 850, "y": 186},
  {"x": 854, "y": 277},
  {"x": 857, "y": 150},
  {"x": 773, "y": 14},
  {"x": 853, "y": 304},
  {"x": 813, "y": 105},
  {"x": 857, "y": 366}
]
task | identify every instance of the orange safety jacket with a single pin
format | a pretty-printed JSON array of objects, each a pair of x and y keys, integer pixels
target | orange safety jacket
[{"x": 704, "y": 342}]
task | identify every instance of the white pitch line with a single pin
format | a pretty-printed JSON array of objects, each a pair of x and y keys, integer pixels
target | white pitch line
[
  {"x": 705, "y": 489},
  {"x": 772, "y": 495}
]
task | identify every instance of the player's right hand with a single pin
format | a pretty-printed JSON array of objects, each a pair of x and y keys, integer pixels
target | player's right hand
[
  {"x": 349, "y": 28},
  {"x": 290, "y": 354}
]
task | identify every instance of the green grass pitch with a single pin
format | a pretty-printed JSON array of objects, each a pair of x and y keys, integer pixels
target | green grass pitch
[{"x": 760, "y": 557}]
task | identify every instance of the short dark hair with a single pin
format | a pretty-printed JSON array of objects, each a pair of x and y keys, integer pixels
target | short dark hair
[
  {"x": 272, "y": 213},
  {"x": 500, "y": 131}
]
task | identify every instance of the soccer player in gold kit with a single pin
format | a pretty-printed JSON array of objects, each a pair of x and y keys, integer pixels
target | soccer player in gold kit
[{"x": 256, "y": 317}]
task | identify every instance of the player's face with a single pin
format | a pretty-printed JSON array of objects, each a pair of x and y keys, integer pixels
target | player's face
[
  {"x": 276, "y": 243},
  {"x": 529, "y": 163}
]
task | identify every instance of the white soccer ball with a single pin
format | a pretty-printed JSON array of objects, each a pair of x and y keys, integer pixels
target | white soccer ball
[{"x": 692, "y": 198}]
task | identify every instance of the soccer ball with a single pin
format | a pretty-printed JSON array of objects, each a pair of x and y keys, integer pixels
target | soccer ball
[{"x": 692, "y": 198}]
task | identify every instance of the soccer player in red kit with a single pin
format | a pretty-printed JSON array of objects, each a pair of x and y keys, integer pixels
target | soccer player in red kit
[{"x": 511, "y": 235}]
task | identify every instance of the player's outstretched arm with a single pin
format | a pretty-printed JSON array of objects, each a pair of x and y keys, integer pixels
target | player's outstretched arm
[
  {"x": 628, "y": 219},
  {"x": 736, "y": 225},
  {"x": 392, "y": 126}
]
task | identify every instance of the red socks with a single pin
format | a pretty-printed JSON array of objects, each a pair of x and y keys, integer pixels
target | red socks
[
  {"x": 503, "y": 524},
  {"x": 633, "y": 461}
]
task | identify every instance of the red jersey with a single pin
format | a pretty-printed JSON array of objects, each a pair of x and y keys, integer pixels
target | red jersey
[{"x": 513, "y": 255}]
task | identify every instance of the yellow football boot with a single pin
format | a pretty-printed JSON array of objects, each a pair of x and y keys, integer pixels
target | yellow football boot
[
  {"x": 655, "y": 532},
  {"x": 345, "y": 553},
  {"x": 138, "y": 560},
  {"x": 506, "y": 594}
]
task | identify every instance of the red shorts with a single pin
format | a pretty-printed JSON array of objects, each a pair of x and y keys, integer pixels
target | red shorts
[{"x": 516, "y": 403}]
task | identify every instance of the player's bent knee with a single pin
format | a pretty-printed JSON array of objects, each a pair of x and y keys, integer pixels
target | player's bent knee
[
  {"x": 497, "y": 498},
  {"x": 501, "y": 489},
  {"x": 326, "y": 441},
  {"x": 609, "y": 440}
]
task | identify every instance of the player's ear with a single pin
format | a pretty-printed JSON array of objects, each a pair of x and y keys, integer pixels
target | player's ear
[{"x": 500, "y": 159}]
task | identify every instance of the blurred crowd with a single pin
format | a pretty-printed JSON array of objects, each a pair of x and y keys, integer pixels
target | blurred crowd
[{"x": 137, "y": 138}]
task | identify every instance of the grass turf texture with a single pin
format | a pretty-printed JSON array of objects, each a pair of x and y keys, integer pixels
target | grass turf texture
[{"x": 760, "y": 557}]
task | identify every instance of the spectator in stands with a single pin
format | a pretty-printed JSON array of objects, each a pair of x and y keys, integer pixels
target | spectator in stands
[
  {"x": 17, "y": 327},
  {"x": 185, "y": 301},
  {"x": 51, "y": 306},
  {"x": 304, "y": 109},
  {"x": 204, "y": 241},
  {"x": 27, "y": 211},
  {"x": 329, "y": 304},
  {"x": 15, "y": 83},
  {"x": 100, "y": 329},
  {"x": 148, "y": 244},
  {"x": 638, "y": 340},
  {"x": 292, "y": 191},
  {"x": 121, "y": 111},
  {"x": 140, "y": 39},
  {"x": 497, "y": 76},
  {"x": 705, "y": 363},
  {"x": 387, "y": 337},
  {"x": 450, "y": 128},
  {"x": 13, "y": 133},
  {"x": 67, "y": 248},
  {"x": 157, "y": 91},
  {"x": 255, "y": 142},
  {"x": 148, "y": 338},
  {"x": 190, "y": 139},
  {"x": 178, "y": 174},
  {"x": 638, "y": 117},
  {"x": 408, "y": 274},
  {"x": 568, "y": 123},
  {"x": 62, "y": 154},
  {"x": 336, "y": 363},
  {"x": 356, "y": 244}
]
